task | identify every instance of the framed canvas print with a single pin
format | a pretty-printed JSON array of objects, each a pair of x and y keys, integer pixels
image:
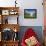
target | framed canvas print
[
  {"x": 12, "y": 12},
  {"x": 5, "y": 12},
  {"x": 30, "y": 13}
]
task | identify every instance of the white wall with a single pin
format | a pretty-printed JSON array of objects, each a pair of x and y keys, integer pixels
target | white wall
[
  {"x": 27, "y": 4},
  {"x": 31, "y": 4},
  {"x": 7, "y": 3}
]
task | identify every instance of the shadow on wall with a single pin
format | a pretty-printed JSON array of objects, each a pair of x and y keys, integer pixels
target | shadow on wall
[{"x": 37, "y": 29}]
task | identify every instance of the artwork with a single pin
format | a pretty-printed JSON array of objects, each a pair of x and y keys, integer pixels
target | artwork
[
  {"x": 30, "y": 13},
  {"x": 12, "y": 12},
  {"x": 5, "y": 12}
]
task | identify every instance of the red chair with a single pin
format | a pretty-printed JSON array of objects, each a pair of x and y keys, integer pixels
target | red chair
[{"x": 29, "y": 33}]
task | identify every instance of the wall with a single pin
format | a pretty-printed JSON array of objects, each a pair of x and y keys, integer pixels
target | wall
[
  {"x": 44, "y": 12},
  {"x": 27, "y": 4},
  {"x": 7, "y": 3},
  {"x": 37, "y": 30},
  {"x": 45, "y": 20},
  {"x": 31, "y": 4}
]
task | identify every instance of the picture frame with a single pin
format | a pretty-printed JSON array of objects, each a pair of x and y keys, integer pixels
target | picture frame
[
  {"x": 5, "y": 12},
  {"x": 30, "y": 13},
  {"x": 12, "y": 12}
]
